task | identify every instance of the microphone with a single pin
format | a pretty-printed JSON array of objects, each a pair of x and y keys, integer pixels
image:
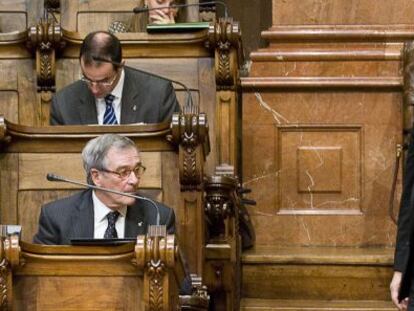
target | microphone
[
  {"x": 139, "y": 9},
  {"x": 189, "y": 105},
  {"x": 53, "y": 177}
]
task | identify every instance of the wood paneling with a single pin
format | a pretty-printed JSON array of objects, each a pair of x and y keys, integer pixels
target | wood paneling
[{"x": 52, "y": 293}]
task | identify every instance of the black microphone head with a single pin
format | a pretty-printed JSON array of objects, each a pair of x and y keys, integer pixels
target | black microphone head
[
  {"x": 139, "y": 10},
  {"x": 52, "y": 177}
]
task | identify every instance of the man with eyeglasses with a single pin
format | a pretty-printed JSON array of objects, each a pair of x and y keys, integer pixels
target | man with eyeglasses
[
  {"x": 110, "y": 161},
  {"x": 109, "y": 93}
]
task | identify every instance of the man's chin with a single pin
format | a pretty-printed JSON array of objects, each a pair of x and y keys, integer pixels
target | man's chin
[{"x": 129, "y": 201}]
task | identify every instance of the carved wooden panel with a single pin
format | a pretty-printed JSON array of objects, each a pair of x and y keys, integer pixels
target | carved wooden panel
[
  {"x": 19, "y": 14},
  {"x": 17, "y": 91},
  {"x": 65, "y": 293},
  {"x": 9, "y": 103},
  {"x": 32, "y": 168},
  {"x": 82, "y": 16}
]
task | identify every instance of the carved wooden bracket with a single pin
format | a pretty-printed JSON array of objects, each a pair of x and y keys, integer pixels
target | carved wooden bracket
[
  {"x": 9, "y": 258},
  {"x": 156, "y": 255},
  {"x": 197, "y": 301},
  {"x": 219, "y": 204},
  {"x": 225, "y": 38},
  {"x": 45, "y": 38},
  {"x": 190, "y": 133},
  {"x": 223, "y": 242}
]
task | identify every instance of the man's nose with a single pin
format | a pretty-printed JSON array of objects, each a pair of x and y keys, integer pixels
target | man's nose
[
  {"x": 134, "y": 178},
  {"x": 94, "y": 87}
]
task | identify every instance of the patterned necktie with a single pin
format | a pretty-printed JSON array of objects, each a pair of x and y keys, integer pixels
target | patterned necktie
[
  {"x": 110, "y": 232},
  {"x": 109, "y": 116}
]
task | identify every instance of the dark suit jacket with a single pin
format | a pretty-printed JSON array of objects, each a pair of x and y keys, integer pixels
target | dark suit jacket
[
  {"x": 73, "y": 218},
  {"x": 144, "y": 99},
  {"x": 404, "y": 247}
]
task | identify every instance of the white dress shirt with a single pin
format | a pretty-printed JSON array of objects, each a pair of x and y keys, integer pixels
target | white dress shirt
[
  {"x": 101, "y": 221},
  {"x": 117, "y": 93}
]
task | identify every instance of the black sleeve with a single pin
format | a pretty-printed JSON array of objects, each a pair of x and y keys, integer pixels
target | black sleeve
[
  {"x": 169, "y": 103},
  {"x": 47, "y": 232},
  {"x": 402, "y": 247}
]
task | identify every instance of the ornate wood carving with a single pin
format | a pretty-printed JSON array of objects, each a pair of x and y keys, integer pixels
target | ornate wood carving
[
  {"x": 9, "y": 258},
  {"x": 45, "y": 39},
  {"x": 223, "y": 265},
  {"x": 199, "y": 298},
  {"x": 219, "y": 203},
  {"x": 156, "y": 254},
  {"x": 190, "y": 132},
  {"x": 4, "y": 275},
  {"x": 224, "y": 37}
]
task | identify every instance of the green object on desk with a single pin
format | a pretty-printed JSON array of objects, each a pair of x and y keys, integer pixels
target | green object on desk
[{"x": 177, "y": 27}]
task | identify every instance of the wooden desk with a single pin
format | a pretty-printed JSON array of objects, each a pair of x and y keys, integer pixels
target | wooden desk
[
  {"x": 145, "y": 275},
  {"x": 174, "y": 171}
]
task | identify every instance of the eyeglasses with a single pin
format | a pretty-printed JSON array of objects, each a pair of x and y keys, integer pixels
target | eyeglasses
[
  {"x": 105, "y": 82},
  {"x": 125, "y": 173}
]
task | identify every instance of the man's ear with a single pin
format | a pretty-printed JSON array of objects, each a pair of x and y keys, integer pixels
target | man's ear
[{"x": 95, "y": 176}]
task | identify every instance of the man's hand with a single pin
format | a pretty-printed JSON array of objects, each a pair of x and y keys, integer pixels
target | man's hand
[{"x": 395, "y": 288}]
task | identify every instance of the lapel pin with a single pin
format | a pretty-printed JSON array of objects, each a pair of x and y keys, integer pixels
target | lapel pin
[
  {"x": 140, "y": 224},
  {"x": 134, "y": 108}
]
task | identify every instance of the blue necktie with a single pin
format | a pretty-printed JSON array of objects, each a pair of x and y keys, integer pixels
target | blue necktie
[
  {"x": 110, "y": 232},
  {"x": 109, "y": 116}
]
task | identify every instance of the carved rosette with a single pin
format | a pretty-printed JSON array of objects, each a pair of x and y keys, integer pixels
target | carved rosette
[
  {"x": 45, "y": 38},
  {"x": 225, "y": 38},
  {"x": 190, "y": 133},
  {"x": 155, "y": 255}
]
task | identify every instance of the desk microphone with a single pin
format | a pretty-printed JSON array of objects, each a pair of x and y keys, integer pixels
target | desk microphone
[
  {"x": 140, "y": 9},
  {"x": 53, "y": 177},
  {"x": 189, "y": 106}
]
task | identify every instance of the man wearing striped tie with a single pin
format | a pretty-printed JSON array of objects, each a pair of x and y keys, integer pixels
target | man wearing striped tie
[{"x": 109, "y": 93}]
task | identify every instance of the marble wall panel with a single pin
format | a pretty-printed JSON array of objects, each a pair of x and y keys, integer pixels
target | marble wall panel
[
  {"x": 302, "y": 12},
  {"x": 338, "y": 68},
  {"x": 320, "y": 170},
  {"x": 357, "y": 128}
]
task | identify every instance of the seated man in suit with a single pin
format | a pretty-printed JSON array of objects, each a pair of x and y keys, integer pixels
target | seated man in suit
[
  {"x": 109, "y": 93},
  {"x": 110, "y": 161}
]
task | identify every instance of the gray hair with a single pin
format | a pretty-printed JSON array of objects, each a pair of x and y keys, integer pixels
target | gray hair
[{"x": 95, "y": 152}]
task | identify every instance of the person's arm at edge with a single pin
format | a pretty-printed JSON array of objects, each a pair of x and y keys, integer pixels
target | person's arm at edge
[
  {"x": 402, "y": 247},
  {"x": 395, "y": 289},
  {"x": 169, "y": 103},
  {"x": 55, "y": 116},
  {"x": 45, "y": 234},
  {"x": 170, "y": 222}
]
